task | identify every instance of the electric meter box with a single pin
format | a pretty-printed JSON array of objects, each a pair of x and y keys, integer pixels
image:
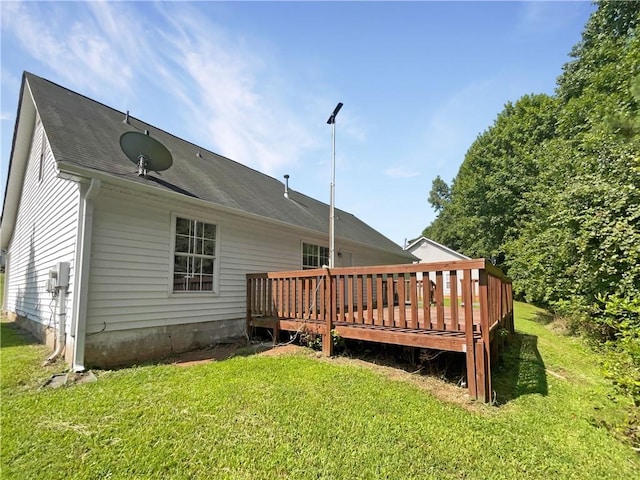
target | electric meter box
[{"x": 58, "y": 277}]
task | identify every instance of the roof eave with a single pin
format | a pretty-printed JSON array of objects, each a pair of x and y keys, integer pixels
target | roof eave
[
  {"x": 78, "y": 172},
  {"x": 18, "y": 160}
]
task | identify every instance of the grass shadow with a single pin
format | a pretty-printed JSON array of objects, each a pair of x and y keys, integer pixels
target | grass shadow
[
  {"x": 11, "y": 335},
  {"x": 521, "y": 370},
  {"x": 543, "y": 318}
]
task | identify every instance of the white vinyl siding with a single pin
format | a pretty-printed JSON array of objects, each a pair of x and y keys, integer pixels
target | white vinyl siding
[
  {"x": 44, "y": 234},
  {"x": 131, "y": 266}
]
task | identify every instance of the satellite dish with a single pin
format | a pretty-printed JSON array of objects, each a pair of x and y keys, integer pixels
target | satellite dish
[{"x": 146, "y": 152}]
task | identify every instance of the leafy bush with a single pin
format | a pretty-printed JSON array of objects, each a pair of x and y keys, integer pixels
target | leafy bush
[
  {"x": 552, "y": 192},
  {"x": 621, "y": 317}
]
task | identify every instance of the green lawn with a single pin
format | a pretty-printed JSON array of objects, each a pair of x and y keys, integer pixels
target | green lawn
[{"x": 299, "y": 416}]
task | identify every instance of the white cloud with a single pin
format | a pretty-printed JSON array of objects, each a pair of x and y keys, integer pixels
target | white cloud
[
  {"x": 242, "y": 103},
  {"x": 77, "y": 50},
  {"x": 401, "y": 171},
  {"x": 229, "y": 91},
  {"x": 6, "y": 116}
]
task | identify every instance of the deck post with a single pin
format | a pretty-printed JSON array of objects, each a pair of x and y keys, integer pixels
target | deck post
[
  {"x": 467, "y": 298},
  {"x": 329, "y": 312},
  {"x": 482, "y": 372},
  {"x": 510, "y": 324},
  {"x": 248, "y": 327},
  {"x": 485, "y": 357}
]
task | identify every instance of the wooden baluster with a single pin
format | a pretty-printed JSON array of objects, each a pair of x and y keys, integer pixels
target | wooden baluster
[
  {"x": 390, "y": 301},
  {"x": 369, "y": 320},
  {"x": 304, "y": 297},
  {"x": 299, "y": 308},
  {"x": 313, "y": 294},
  {"x": 379, "y": 300},
  {"x": 263, "y": 295},
  {"x": 271, "y": 297},
  {"x": 453, "y": 295},
  {"x": 402, "y": 320},
  {"x": 360, "y": 299},
  {"x": 257, "y": 296},
  {"x": 413, "y": 300},
  {"x": 352, "y": 317},
  {"x": 322, "y": 295},
  {"x": 286, "y": 288},
  {"x": 426, "y": 301},
  {"x": 439, "y": 302}
]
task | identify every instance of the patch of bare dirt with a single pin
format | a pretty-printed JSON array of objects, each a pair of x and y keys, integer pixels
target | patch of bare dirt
[
  {"x": 445, "y": 391},
  {"x": 290, "y": 349},
  {"x": 441, "y": 389},
  {"x": 215, "y": 353}
]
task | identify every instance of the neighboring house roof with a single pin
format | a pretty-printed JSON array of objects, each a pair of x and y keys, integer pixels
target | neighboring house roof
[
  {"x": 84, "y": 136},
  {"x": 418, "y": 242}
]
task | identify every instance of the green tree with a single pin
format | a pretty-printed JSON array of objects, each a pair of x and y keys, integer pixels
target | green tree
[
  {"x": 485, "y": 202},
  {"x": 579, "y": 249},
  {"x": 440, "y": 194},
  {"x": 552, "y": 188}
]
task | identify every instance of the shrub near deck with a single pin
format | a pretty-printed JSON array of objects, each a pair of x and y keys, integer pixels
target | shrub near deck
[{"x": 301, "y": 417}]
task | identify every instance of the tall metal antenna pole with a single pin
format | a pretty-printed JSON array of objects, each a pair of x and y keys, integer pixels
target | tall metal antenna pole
[{"x": 332, "y": 233}]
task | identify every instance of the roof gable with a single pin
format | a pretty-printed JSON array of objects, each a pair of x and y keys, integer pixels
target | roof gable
[{"x": 423, "y": 242}]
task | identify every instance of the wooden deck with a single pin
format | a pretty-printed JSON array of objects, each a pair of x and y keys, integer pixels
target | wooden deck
[{"x": 396, "y": 304}]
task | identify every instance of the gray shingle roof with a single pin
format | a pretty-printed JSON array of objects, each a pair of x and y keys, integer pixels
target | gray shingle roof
[{"x": 85, "y": 133}]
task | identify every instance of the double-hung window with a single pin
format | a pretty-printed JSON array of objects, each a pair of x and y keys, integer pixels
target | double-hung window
[
  {"x": 314, "y": 256},
  {"x": 194, "y": 256}
]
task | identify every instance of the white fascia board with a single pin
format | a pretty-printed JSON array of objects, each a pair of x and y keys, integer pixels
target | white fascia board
[
  {"x": 415, "y": 242},
  {"x": 25, "y": 120}
]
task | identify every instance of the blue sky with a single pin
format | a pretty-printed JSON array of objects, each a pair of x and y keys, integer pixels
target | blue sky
[{"x": 257, "y": 81}]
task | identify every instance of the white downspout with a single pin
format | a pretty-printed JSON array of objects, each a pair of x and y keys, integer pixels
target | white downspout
[
  {"x": 82, "y": 270},
  {"x": 5, "y": 293}
]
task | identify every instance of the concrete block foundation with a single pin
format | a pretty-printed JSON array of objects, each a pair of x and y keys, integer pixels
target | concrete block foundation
[{"x": 127, "y": 347}]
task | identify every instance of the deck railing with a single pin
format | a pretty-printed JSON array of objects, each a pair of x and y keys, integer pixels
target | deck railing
[
  {"x": 402, "y": 296},
  {"x": 405, "y": 297}
]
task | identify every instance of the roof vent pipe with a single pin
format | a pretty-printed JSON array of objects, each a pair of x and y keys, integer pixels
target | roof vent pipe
[
  {"x": 126, "y": 118},
  {"x": 286, "y": 186}
]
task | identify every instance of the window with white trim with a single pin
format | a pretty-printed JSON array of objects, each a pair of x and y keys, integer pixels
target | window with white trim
[
  {"x": 314, "y": 256},
  {"x": 194, "y": 256}
]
